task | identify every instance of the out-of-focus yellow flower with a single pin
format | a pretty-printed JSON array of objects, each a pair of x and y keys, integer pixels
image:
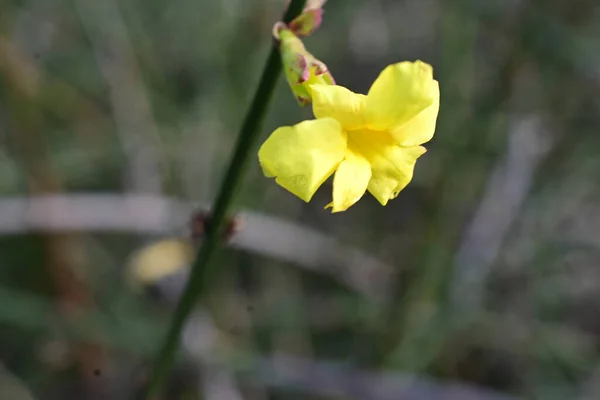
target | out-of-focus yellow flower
[
  {"x": 371, "y": 142},
  {"x": 152, "y": 263}
]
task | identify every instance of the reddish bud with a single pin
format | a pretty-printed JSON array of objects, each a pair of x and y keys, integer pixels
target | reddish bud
[{"x": 307, "y": 22}]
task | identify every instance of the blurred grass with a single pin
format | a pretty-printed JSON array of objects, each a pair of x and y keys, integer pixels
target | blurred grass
[{"x": 533, "y": 333}]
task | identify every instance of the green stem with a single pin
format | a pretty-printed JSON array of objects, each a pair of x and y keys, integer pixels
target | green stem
[{"x": 202, "y": 270}]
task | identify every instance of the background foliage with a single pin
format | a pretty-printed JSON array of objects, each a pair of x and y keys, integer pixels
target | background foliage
[{"x": 481, "y": 279}]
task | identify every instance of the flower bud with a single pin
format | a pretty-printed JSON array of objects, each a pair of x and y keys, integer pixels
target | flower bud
[
  {"x": 307, "y": 22},
  {"x": 301, "y": 68}
]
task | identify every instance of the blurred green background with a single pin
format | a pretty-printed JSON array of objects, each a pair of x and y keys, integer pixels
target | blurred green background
[{"x": 480, "y": 281}]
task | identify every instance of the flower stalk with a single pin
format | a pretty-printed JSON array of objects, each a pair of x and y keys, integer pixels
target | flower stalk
[{"x": 202, "y": 270}]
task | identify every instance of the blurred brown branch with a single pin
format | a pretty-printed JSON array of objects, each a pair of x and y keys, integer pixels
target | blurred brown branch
[
  {"x": 11, "y": 387},
  {"x": 206, "y": 346},
  {"x": 322, "y": 378},
  {"x": 202, "y": 341},
  {"x": 63, "y": 258},
  {"x": 141, "y": 214},
  {"x": 506, "y": 190}
]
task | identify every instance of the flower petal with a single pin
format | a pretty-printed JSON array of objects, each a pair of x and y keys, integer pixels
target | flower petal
[
  {"x": 303, "y": 156},
  {"x": 350, "y": 180},
  {"x": 401, "y": 92},
  {"x": 420, "y": 128},
  {"x": 392, "y": 166},
  {"x": 339, "y": 103}
]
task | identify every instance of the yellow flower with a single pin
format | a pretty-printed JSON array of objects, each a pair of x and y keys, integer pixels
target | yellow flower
[{"x": 371, "y": 142}]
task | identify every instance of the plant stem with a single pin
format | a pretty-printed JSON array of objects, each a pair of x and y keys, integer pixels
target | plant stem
[{"x": 202, "y": 270}]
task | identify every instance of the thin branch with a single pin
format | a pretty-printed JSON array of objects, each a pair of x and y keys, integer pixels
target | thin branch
[{"x": 202, "y": 270}]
